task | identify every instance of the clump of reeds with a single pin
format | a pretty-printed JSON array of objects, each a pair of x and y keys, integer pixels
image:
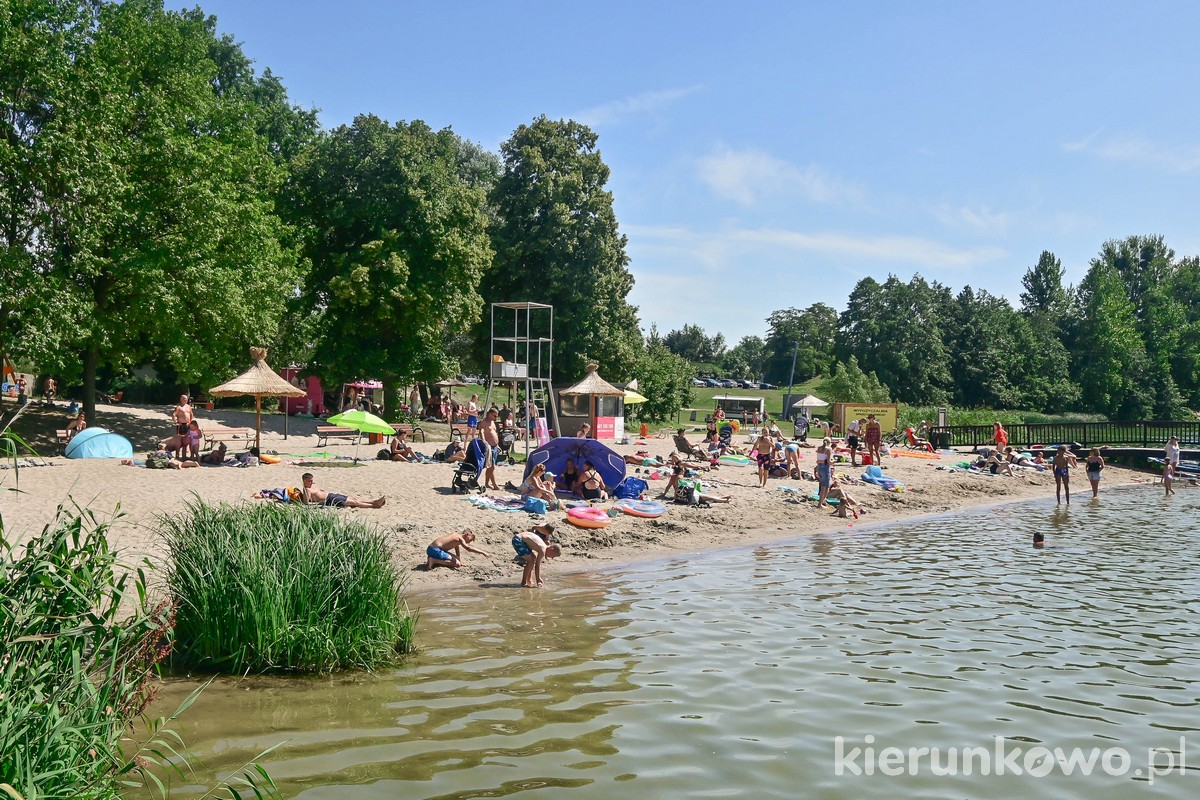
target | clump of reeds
[{"x": 272, "y": 587}]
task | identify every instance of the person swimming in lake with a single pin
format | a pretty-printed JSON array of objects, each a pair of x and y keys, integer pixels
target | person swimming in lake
[{"x": 1063, "y": 461}]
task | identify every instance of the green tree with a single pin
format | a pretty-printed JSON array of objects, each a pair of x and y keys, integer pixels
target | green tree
[
  {"x": 987, "y": 344},
  {"x": 748, "y": 358},
  {"x": 398, "y": 243},
  {"x": 1111, "y": 358},
  {"x": 557, "y": 242},
  {"x": 808, "y": 335},
  {"x": 1044, "y": 293},
  {"x": 664, "y": 379},
  {"x": 847, "y": 383},
  {"x": 695, "y": 345},
  {"x": 157, "y": 234},
  {"x": 898, "y": 330}
]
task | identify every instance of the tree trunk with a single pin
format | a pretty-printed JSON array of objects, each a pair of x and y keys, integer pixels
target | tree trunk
[{"x": 91, "y": 362}]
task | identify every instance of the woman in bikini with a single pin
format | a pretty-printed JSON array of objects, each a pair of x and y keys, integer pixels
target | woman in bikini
[
  {"x": 591, "y": 484},
  {"x": 536, "y": 486}
]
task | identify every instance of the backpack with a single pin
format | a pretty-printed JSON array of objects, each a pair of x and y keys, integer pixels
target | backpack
[
  {"x": 630, "y": 489},
  {"x": 686, "y": 494},
  {"x": 384, "y": 455}
]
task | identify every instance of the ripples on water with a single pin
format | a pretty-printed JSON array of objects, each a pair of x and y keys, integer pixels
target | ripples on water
[{"x": 728, "y": 675}]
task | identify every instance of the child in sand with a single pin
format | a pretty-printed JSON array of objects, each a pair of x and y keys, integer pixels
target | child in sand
[
  {"x": 532, "y": 548},
  {"x": 443, "y": 551}
]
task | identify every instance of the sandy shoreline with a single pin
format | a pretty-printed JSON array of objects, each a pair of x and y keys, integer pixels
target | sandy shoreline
[{"x": 421, "y": 507}]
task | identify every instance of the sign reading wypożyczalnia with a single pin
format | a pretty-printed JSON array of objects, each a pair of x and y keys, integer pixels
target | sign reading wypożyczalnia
[{"x": 885, "y": 414}]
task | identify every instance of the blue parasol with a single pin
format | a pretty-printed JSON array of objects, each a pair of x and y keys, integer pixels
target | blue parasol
[{"x": 554, "y": 455}]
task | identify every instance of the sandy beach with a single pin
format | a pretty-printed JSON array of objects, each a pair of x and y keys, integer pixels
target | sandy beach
[{"x": 420, "y": 505}]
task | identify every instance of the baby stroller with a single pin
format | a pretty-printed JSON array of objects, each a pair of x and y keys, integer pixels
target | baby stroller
[
  {"x": 466, "y": 477},
  {"x": 508, "y": 438}
]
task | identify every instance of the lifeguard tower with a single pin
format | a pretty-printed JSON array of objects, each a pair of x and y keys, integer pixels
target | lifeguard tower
[{"x": 523, "y": 353}]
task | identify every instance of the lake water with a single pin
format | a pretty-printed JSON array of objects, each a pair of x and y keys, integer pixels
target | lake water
[{"x": 732, "y": 674}]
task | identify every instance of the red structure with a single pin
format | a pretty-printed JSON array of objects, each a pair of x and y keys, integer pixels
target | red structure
[{"x": 314, "y": 403}]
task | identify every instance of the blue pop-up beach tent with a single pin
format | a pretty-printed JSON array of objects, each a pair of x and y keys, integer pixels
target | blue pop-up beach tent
[
  {"x": 554, "y": 455},
  {"x": 98, "y": 443}
]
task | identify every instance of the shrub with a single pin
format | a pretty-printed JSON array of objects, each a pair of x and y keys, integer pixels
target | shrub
[{"x": 272, "y": 587}]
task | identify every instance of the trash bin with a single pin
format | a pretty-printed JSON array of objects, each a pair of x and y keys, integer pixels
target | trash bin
[
  {"x": 941, "y": 440},
  {"x": 375, "y": 438},
  {"x": 693, "y": 416}
]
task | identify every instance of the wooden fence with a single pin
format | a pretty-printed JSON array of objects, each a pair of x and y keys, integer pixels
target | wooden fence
[{"x": 1147, "y": 433}]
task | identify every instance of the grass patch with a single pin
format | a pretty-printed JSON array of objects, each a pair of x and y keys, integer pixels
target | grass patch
[{"x": 270, "y": 587}]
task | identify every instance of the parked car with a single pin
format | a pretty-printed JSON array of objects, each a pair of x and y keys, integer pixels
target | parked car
[
  {"x": 747, "y": 384},
  {"x": 726, "y": 383},
  {"x": 712, "y": 383},
  {"x": 765, "y": 385},
  {"x": 698, "y": 382}
]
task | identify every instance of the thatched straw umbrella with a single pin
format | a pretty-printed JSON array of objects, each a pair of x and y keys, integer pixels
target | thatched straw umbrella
[
  {"x": 595, "y": 386},
  {"x": 260, "y": 381}
]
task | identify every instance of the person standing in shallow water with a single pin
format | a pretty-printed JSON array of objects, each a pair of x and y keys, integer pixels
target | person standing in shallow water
[
  {"x": 1062, "y": 474},
  {"x": 1093, "y": 466}
]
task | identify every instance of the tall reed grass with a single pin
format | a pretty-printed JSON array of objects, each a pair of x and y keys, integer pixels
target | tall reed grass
[
  {"x": 79, "y": 641},
  {"x": 270, "y": 587}
]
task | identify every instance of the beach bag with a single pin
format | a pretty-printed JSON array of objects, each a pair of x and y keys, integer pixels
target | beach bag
[
  {"x": 384, "y": 455},
  {"x": 687, "y": 494},
  {"x": 630, "y": 489},
  {"x": 535, "y": 505}
]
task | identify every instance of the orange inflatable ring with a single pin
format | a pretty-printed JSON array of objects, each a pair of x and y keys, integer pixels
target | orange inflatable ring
[
  {"x": 269, "y": 459},
  {"x": 588, "y": 517}
]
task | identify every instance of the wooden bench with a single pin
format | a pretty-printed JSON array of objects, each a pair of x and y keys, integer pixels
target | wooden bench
[
  {"x": 63, "y": 436},
  {"x": 462, "y": 430},
  {"x": 408, "y": 429},
  {"x": 214, "y": 436},
  {"x": 327, "y": 432}
]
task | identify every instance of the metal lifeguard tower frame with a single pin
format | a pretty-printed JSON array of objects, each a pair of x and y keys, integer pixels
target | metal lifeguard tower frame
[{"x": 527, "y": 356}]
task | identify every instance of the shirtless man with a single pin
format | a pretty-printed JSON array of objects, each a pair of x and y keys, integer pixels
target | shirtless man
[
  {"x": 183, "y": 415},
  {"x": 443, "y": 551},
  {"x": 765, "y": 447},
  {"x": 874, "y": 437},
  {"x": 320, "y": 497},
  {"x": 487, "y": 431},
  {"x": 473, "y": 414}
]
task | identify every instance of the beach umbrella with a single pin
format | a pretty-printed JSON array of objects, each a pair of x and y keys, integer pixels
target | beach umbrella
[
  {"x": 633, "y": 398},
  {"x": 809, "y": 401},
  {"x": 363, "y": 422},
  {"x": 554, "y": 455},
  {"x": 98, "y": 443},
  {"x": 259, "y": 381},
  {"x": 450, "y": 383}
]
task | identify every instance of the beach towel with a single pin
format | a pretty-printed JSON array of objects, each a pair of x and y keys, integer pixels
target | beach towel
[
  {"x": 874, "y": 475},
  {"x": 498, "y": 503}
]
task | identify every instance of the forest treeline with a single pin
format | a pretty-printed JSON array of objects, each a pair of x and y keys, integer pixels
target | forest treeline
[
  {"x": 162, "y": 202},
  {"x": 1124, "y": 342}
]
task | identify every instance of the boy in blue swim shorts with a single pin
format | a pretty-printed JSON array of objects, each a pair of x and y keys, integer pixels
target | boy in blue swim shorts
[
  {"x": 532, "y": 548},
  {"x": 443, "y": 551}
]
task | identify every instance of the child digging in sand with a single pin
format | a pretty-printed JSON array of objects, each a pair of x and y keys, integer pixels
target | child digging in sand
[
  {"x": 532, "y": 548},
  {"x": 443, "y": 551}
]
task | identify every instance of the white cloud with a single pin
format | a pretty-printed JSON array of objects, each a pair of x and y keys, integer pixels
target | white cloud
[
  {"x": 748, "y": 176},
  {"x": 1181, "y": 159},
  {"x": 645, "y": 103},
  {"x": 721, "y": 247},
  {"x": 978, "y": 220}
]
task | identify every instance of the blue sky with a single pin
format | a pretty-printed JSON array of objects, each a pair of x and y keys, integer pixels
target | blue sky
[{"x": 769, "y": 155}]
